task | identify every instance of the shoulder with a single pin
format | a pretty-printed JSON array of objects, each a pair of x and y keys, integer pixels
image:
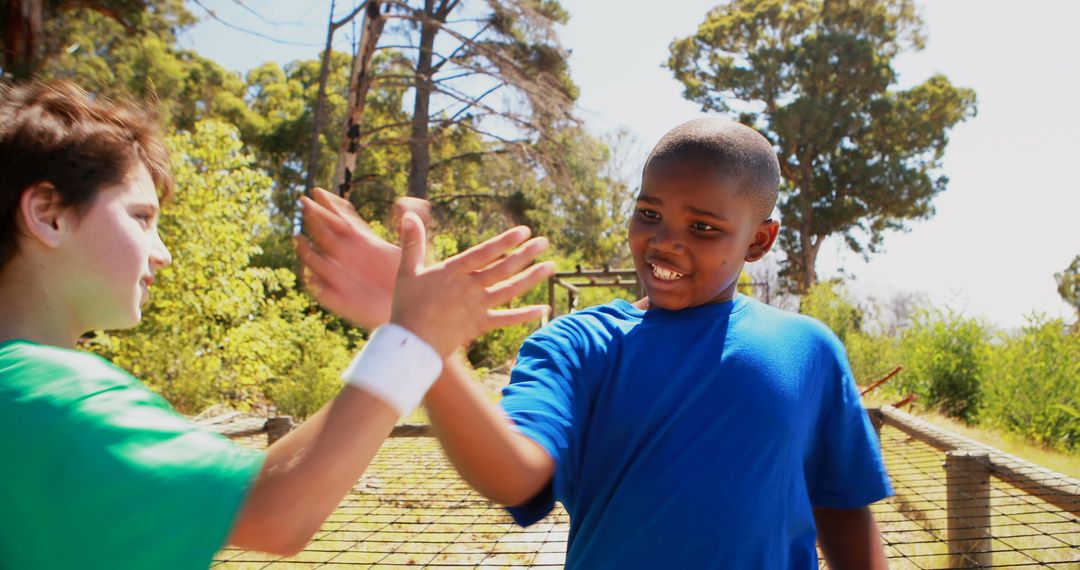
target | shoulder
[
  {"x": 598, "y": 324},
  {"x": 796, "y": 328},
  {"x": 75, "y": 396},
  {"x": 37, "y": 371}
]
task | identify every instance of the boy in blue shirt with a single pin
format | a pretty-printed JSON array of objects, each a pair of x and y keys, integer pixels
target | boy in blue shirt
[{"x": 695, "y": 428}]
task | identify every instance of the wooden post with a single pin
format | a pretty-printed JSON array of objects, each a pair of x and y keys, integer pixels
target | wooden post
[
  {"x": 877, "y": 421},
  {"x": 967, "y": 479},
  {"x": 276, "y": 428},
  {"x": 551, "y": 300}
]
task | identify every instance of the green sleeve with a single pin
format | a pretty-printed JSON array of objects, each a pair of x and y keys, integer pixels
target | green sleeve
[{"x": 110, "y": 476}]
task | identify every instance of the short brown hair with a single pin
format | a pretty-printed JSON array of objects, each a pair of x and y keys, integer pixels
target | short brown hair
[{"x": 58, "y": 133}]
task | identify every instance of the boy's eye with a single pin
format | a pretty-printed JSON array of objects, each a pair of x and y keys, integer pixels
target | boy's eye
[
  {"x": 702, "y": 227},
  {"x": 649, "y": 214},
  {"x": 146, "y": 218}
]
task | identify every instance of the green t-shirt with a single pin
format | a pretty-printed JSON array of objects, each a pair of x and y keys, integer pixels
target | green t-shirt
[{"x": 97, "y": 471}]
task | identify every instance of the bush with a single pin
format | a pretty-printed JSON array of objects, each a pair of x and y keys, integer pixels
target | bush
[
  {"x": 945, "y": 362},
  {"x": 829, "y": 303},
  {"x": 873, "y": 356},
  {"x": 1033, "y": 385},
  {"x": 219, "y": 329}
]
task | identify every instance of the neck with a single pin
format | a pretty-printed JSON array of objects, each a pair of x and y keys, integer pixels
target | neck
[{"x": 30, "y": 311}]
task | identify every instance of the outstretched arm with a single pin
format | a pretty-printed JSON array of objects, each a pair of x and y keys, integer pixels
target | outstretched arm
[
  {"x": 850, "y": 539},
  {"x": 306, "y": 474},
  {"x": 502, "y": 464}
]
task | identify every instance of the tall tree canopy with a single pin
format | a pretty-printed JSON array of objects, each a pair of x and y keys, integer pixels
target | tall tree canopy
[
  {"x": 494, "y": 68},
  {"x": 858, "y": 156},
  {"x": 33, "y": 31}
]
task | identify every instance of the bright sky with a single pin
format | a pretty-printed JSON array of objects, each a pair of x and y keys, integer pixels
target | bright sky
[{"x": 1010, "y": 217}]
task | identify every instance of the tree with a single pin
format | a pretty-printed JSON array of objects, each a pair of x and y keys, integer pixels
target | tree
[
  {"x": 1068, "y": 282},
  {"x": 830, "y": 303},
  {"x": 461, "y": 58},
  {"x": 99, "y": 53},
  {"x": 30, "y": 27},
  {"x": 858, "y": 157}
]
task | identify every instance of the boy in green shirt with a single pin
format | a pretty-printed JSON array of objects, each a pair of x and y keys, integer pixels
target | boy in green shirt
[{"x": 99, "y": 471}]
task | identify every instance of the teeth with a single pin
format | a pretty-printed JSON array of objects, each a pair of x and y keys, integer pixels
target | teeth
[{"x": 664, "y": 274}]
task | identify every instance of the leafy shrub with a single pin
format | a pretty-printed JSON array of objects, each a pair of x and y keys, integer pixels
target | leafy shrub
[
  {"x": 944, "y": 357},
  {"x": 873, "y": 356},
  {"x": 219, "y": 329},
  {"x": 829, "y": 303},
  {"x": 1033, "y": 385}
]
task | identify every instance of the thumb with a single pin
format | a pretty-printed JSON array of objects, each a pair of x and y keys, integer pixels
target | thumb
[{"x": 413, "y": 248}]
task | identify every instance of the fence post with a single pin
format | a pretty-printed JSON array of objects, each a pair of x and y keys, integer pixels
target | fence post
[
  {"x": 551, "y": 301},
  {"x": 276, "y": 428},
  {"x": 877, "y": 421},
  {"x": 967, "y": 480}
]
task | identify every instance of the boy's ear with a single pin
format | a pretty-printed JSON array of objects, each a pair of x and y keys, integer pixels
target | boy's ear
[
  {"x": 40, "y": 211},
  {"x": 764, "y": 238}
]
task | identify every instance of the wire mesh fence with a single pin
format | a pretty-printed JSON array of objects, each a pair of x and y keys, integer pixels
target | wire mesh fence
[
  {"x": 1024, "y": 529},
  {"x": 411, "y": 510}
]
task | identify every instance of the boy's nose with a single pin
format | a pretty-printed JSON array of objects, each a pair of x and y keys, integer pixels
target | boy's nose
[
  {"x": 159, "y": 254},
  {"x": 666, "y": 241}
]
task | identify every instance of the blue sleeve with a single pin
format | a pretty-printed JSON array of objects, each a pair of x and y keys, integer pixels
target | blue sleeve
[
  {"x": 844, "y": 469},
  {"x": 540, "y": 401}
]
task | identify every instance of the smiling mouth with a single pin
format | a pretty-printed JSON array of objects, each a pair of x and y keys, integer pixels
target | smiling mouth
[{"x": 665, "y": 274}]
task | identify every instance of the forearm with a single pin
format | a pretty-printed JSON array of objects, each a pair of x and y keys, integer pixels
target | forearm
[
  {"x": 502, "y": 464},
  {"x": 306, "y": 474},
  {"x": 849, "y": 538}
]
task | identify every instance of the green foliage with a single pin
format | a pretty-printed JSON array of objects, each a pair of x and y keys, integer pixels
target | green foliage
[
  {"x": 745, "y": 285},
  {"x": 99, "y": 53},
  {"x": 1033, "y": 385},
  {"x": 872, "y": 356},
  {"x": 858, "y": 158},
  {"x": 219, "y": 329},
  {"x": 1068, "y": 282},
  {"x": 945, "y": 362},
  {"x": 830, "y": 303}
]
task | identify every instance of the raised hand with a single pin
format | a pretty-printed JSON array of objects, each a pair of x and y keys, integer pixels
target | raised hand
[
  {"x": 347, "y": 268},
  {"x": 451, "y": 303},
  {"x": 352, "y": 272}
]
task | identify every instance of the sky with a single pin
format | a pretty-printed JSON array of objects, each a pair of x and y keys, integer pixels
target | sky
[{"x": 1009, "y": 219}]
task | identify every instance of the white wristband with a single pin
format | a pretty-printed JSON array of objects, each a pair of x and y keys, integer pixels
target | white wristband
[{"x": 395, "y": 366}]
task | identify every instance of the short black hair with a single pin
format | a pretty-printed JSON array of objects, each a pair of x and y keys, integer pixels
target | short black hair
[{"x": 731, "y": 149}]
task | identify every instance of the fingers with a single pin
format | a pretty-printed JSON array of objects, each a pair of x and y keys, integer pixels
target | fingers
[
  {"x": 413, "y": 248},
  {"x": 507, "y": 317},
  {"x": 312, "y": 261},
  {"x": 504, "y": 292},
  {"x": 484, "y": 254},
  {"x": 417, "y": 206},
  {"x": 513, "y": 263},
  {"x": 340, "y": 206},
  {"x": 320, "y": 222}
]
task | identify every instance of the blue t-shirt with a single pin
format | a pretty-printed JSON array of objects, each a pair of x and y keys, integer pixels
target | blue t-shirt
[{"x": 699, "y": 438}]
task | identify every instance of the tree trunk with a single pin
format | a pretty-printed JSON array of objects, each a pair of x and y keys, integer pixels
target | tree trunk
[
  {"x": 25, "y": 21},
  {"x": 811, "y": 245},
  {"x": 320, "y": 103},
  {"x": 420, "y": 140},
  {"x": 359, "y": 84}
]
